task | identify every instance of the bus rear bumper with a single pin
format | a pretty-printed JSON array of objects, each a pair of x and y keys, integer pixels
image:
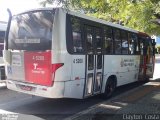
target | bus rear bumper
[{"x": 56, "y": 91}]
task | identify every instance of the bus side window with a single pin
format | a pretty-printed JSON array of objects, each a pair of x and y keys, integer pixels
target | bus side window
[
  {"x": 117, "y": 40},
  {"x": 98, "y": 39},
  {"x": 76, "y": 36},
  {"x": 142, "y": 46},
  {"x": 149, "y": 50},
  {"x": 136, "y": 43},
  {"x": 124, "y": 42},
  {"x": 89, "y": 39},
  {"x": 133, "y": 44},
  {"x": 108, "y": 40}
]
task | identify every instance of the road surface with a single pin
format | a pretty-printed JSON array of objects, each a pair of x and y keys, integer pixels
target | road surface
[{"x": 50, "y": 109}]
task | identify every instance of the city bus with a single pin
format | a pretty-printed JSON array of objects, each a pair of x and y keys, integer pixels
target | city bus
[
  {"x": 57, "y": 53},
  {"x": 3, "y": 27}
]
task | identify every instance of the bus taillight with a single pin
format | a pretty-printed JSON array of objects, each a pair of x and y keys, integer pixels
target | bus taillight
[{"x": 56, "y": 66}]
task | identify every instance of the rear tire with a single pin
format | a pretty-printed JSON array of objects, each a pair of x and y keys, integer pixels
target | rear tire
[{"x": 109, "y": 88}]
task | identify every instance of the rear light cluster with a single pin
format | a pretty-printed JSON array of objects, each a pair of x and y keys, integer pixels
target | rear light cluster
[{"x": 55, "y": 67}]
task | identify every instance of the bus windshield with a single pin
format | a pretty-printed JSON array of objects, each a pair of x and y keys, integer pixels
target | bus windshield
[{"x": 31, "y": 31}]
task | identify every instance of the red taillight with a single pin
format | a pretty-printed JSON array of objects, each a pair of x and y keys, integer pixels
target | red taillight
[{"x": 56, "y": 66}]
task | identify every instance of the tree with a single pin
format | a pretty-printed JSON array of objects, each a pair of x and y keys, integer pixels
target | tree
[{"x": 136, "y": 14}]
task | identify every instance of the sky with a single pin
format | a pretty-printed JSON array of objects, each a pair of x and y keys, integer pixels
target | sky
[
  {"x": 158, "y": 40},
  {"x": 16, "y": 6}
]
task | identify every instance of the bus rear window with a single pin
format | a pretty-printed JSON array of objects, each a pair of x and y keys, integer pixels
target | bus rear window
[{"x": 31, "y": 31}]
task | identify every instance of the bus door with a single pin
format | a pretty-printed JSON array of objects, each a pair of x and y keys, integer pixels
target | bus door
[
  {"x": 94, "y": 61},
  {"x": 150, "y": 58},
  {"x": 146, "y": 59},
  {"x": 143, "y": 51}
]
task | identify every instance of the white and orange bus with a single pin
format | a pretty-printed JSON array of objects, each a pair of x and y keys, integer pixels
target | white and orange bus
[{"x": 57, "y": 53}]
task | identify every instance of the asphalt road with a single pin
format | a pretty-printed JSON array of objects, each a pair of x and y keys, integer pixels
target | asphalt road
[
  {"x": 11, "y": 101},
  {"x": 50, "y": 109}
]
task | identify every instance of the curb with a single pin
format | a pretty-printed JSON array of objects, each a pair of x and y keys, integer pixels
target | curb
[
  {"x": 95, "y": 109},
  {"x": 87, "y": 111}
]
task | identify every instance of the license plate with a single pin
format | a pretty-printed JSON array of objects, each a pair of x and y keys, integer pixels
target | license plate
[{"x": 26, "y": 88}]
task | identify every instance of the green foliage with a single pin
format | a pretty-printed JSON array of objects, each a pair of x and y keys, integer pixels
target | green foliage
[
  {"x": 136, "y": 14},
  {"x": 158, "y": 49}
]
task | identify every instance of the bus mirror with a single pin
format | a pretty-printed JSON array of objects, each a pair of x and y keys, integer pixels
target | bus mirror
[{"x": 153, "y": 42}]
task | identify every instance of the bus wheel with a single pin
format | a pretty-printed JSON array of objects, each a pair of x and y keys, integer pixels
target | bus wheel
[{"x": 110, "y": 87}]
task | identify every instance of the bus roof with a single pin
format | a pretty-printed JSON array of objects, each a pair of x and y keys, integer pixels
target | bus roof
[
  {"x": 88, "y": 18},
  {"x": 101, "y": 21}
]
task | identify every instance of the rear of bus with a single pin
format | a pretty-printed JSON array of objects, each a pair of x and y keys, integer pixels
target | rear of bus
[{"x": 29, "y": 55}]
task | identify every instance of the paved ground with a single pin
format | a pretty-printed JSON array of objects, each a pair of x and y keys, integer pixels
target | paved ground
[
  {"x": 49, "y": 109},
  {"x": 142, "y": 103}
]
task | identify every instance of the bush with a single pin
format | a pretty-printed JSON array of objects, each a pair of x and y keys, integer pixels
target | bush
[{"x": 158, "y": 49}]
